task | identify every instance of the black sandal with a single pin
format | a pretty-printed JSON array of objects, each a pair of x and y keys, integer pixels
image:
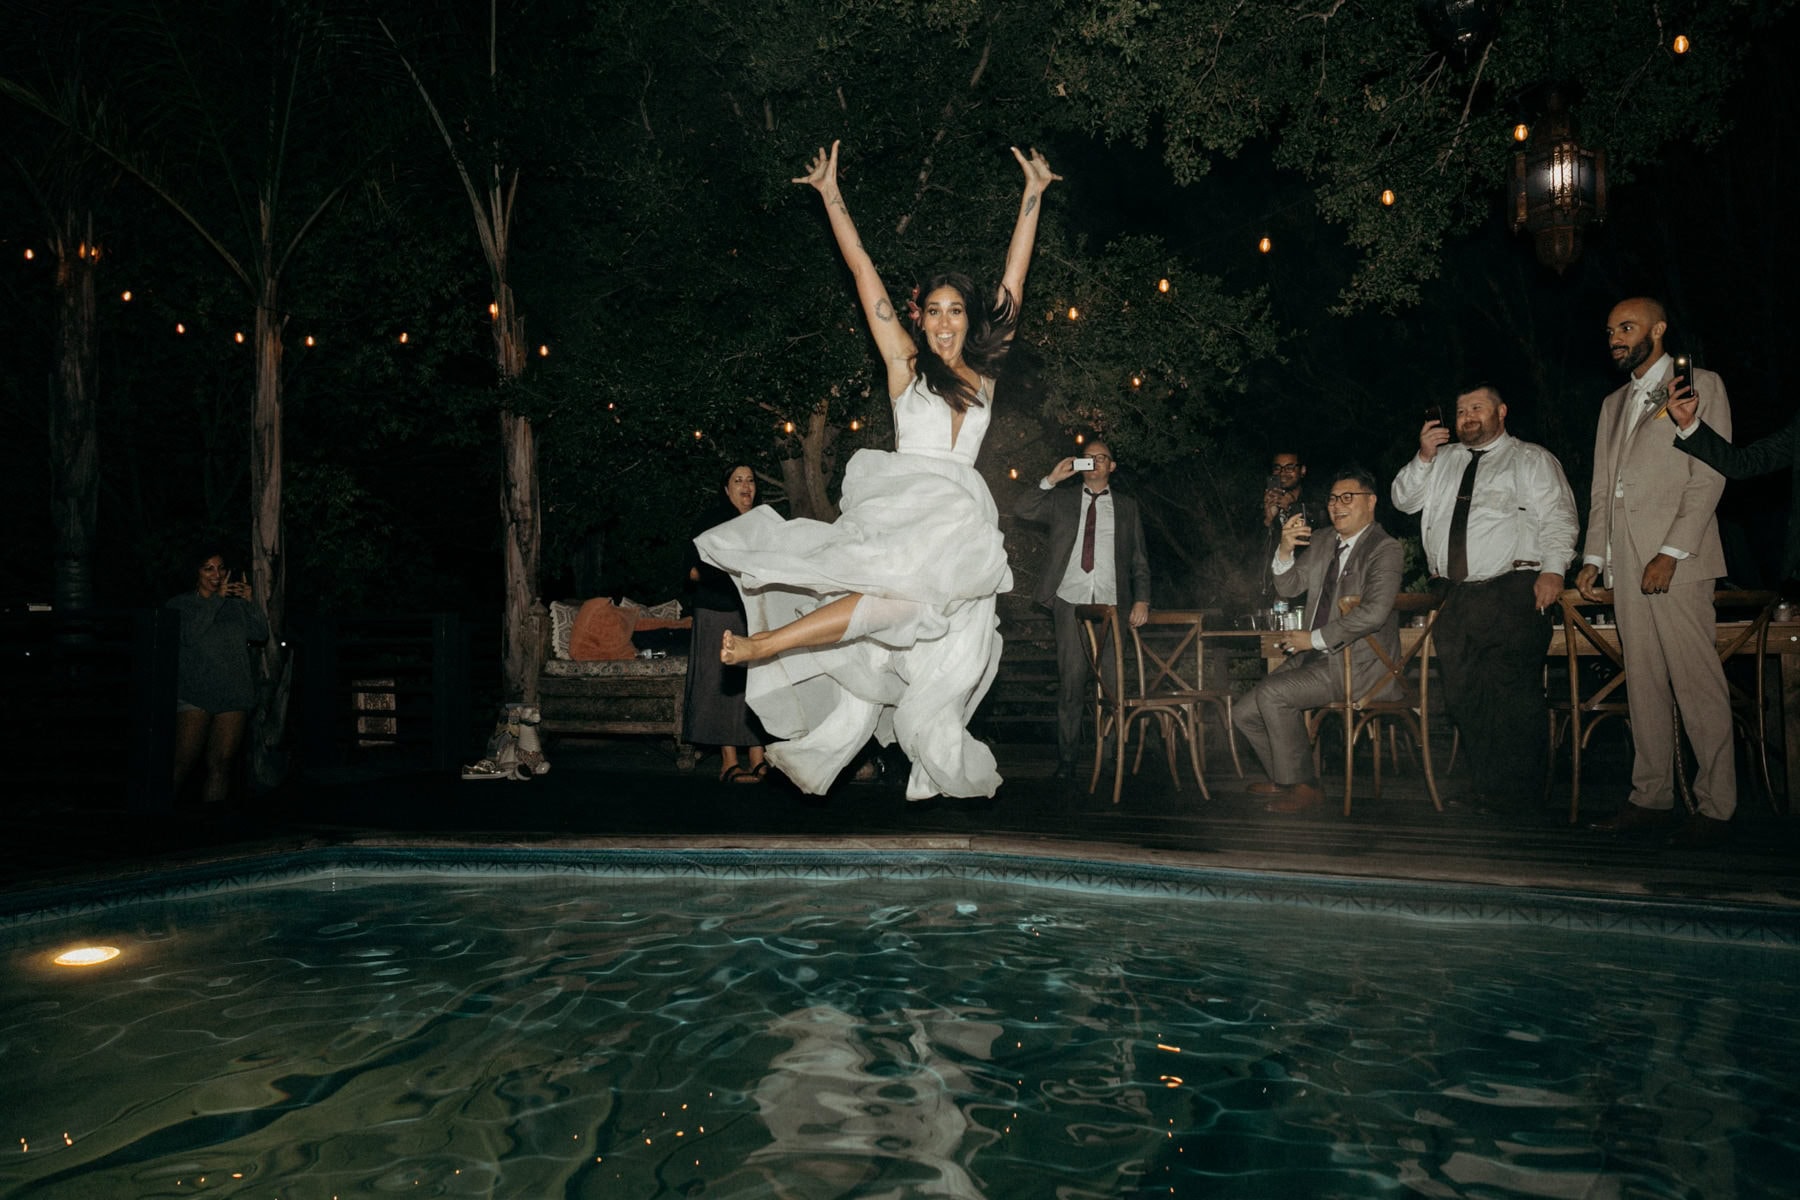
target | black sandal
[
  {"x": 760, "y": 772},
  {"x": 733, "y": 774}
]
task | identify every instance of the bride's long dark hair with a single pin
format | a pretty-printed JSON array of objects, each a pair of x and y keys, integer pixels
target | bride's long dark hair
[{"x": 985, "y": 348}]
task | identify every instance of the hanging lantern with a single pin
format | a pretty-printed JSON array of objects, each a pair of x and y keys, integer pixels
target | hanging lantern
[
  {"x": 1558, "y": 185},
  {"x": 1461, "y": 29}
]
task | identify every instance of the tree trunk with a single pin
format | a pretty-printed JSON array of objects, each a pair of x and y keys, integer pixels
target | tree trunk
[
  {"x": 807, "y": 477},
  {"x": 268, "y": 570},
  {"x": 74, "y": 444},
  {"x": 521, "y": 641}
]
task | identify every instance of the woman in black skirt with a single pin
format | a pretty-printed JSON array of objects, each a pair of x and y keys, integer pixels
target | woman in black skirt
[{"x": 715, "y": 713}]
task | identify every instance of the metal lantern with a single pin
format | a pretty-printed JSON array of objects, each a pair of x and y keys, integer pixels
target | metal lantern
[
  {"x": 1462, "y": 29},
  {"x": 1558, "y": 186}
]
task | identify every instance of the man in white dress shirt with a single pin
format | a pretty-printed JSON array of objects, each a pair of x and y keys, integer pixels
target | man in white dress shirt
[
  {"x": 1653, "y": 539},
  {"x": 1498, "y": 522},
  {"x": 1095, "y": 555}
]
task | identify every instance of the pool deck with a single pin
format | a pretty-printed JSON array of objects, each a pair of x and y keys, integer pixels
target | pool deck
[{"x": 613, "y": 795}]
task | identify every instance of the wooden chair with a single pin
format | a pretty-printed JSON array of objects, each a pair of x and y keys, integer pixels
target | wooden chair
[
  {"x": 1171, "y": 666},
  {"x": 1119, "y": 705},
  {"x": 1408, "y": 675},
  {"x": 1588, "y": 705}
]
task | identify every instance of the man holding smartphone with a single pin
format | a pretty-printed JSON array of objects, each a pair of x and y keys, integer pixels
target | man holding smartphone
[
  {"x": 1095, "y": 555},
  {"x": 1652, "y": 537},
  {"x": 1283, "y": 497},
  {"x": 1498, "y": 522}
]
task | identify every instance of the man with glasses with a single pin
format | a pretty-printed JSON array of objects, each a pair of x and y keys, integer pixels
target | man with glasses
[
  {"x": 1498, "y": 522},
  {"x": 1350, "y": 580},
  {"x": 1095, "y": 555}
]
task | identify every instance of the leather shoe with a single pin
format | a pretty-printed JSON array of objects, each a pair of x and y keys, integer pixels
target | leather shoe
[
  {"x": 1302, "y": 797},
  {"x": 1268, "y": 787},
  {"x": 1700, "y": 832},
  {"x": 1634, "y": 818}
]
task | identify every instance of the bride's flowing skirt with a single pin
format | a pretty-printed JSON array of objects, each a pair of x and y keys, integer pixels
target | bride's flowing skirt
[{"x": 919, "y": 534}]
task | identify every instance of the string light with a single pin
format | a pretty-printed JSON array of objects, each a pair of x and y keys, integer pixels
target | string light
[
  {"x": 1074, "y": 313},
  {"x": 543, "y": 352},
  {"x": 403, "y": 337},
  {"x": 696, "y": 435},
  {"x": 494, "y": 312},
  {"x": 310, "y": 341},
  {"x": 239, "y": 336},
  {"x": 855, "y": 424},
  {"x": 1012, "y": 473},
  {"x": 1521, "y": 131},
  {"x": 1162, "y": 285},
  {"x": 1681, "y": 43},
  {"x": 1387, "y": 197},
  {"x": 1137, "y": 381},
  {"x": 125, "y": 296},
  {"x": 1080, "y": 439},
  {"x": 1265, "y": 245},
  {"x": 180, "y": 328},
  {"x": 787, "y": 427},
  {"x": 30, "y": 254}
]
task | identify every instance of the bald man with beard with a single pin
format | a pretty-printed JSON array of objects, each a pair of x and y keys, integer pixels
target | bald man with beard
[{"x": 1653, "y": 539}]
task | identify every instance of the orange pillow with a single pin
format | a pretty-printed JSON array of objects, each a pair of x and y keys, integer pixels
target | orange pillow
[{"x": 602, "y": 630}]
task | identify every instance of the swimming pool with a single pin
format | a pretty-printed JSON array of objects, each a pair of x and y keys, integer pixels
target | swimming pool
[{"x": 812, "y": 1025}]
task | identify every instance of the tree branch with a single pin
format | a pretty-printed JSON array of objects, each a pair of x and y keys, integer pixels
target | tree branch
[{"x": 943, "y": 131}]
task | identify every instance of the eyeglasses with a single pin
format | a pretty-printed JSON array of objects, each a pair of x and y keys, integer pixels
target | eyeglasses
[
  {"x": 1345, "y": 497},
  {"x": 1284, "y": 468},
  {"x": 1100, "y": 458}
]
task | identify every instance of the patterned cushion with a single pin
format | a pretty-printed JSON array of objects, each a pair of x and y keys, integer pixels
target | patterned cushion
[
  {"x": 674, "y": 664},
  {"x": 562, "y": 623}
]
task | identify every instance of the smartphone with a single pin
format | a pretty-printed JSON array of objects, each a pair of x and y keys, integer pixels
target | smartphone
[
  {"x": 1434, "y": 412},
  {"x": 1084, "y": 464},
  {"x": 1684, "y": 367}
]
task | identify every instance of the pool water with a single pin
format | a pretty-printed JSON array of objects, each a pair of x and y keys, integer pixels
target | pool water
[{"x": 390, "y": 1034}]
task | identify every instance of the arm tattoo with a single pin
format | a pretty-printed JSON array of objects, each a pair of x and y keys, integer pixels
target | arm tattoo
[
  {"x": 1030, "y": 207},
  {"x": 883, "y": 310}
]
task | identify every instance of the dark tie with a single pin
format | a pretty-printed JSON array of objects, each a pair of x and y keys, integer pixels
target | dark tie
[
  {"x": 1458, "y": 568},
  {"x": 1328, "y": 591},
  {"x": 1087, "y": 533}
]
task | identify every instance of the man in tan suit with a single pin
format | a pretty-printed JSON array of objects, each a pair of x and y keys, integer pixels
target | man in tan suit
[{"x": 1653, "y": 539}]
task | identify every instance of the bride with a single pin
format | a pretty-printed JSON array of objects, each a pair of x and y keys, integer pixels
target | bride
[{"x": 882, "y": 622}]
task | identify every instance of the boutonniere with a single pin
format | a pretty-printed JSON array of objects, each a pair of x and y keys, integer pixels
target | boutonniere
[{"x": 1658, "y": 395}]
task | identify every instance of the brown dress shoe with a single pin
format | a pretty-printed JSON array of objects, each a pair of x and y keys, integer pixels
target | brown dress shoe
[
  {"x": 1302, "y": 797},
  {"x": 1634, "y": 818},
  {"x": 1700, "y": 832},
  {"x": 1268, "y": 787}
]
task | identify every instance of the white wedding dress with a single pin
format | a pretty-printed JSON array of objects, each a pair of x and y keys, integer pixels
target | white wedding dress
[{"x": 919, "y": 540}]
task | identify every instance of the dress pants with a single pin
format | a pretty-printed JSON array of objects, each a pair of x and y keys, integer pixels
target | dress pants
[
  {"x": 1489, "y": 643},
  {"x": 1074, "y": 682},
  {"x": 1671, "y": 658},
  {"x": 1272, "y": 717}
]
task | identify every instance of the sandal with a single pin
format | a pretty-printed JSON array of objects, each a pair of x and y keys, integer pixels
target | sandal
[
  {"x": 743, "y": 775},
  {"x": 760, "y": 772},
  {"x": 733, "y": 774}
]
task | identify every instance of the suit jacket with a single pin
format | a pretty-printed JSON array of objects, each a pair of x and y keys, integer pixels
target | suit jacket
[
  {"x": 1759, "y": 458},
  {"x": 1060, "y": 508},
  {"x": 1669, "y": 496},
  {"x": 1372, "y": 570}
]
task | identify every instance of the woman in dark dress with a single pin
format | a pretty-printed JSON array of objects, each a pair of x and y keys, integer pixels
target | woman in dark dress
[
  {"x": 715, "y": 712},
  {"x": 214, "y": 687}
]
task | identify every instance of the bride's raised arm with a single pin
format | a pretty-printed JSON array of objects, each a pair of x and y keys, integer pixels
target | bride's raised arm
[
  {"x": 1038, "y": 177},
  {"x": 891, "y": 338}
]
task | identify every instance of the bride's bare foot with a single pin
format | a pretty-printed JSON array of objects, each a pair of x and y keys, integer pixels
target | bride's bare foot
[{"x": 736, "y": 651}]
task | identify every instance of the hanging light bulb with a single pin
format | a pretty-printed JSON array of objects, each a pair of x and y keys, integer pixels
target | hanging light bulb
[
  {"x": 1074, "y": 313},
  {"x": 180, "y": 328},
  {"x": 1521, "y": 131},
  {"x": 787, "y": 427},
  {"x": 239, "y": 336},
  {"x": 697, "y": 435},
  {"x": 1012, "y": 472},
  {"x": 1387, "y": 197},
  {"x": 403, "y": 337},
  {"x": 125, "y": 295},
  {"x": 1682, "y": 45},
  {"x": 310, "y": 341},
  {"x": 855, "y": 424},
  {"x": 1080, "y": 439},
  {"x": 543, "y": 352},
  {"x": 30, "y": 254},
  {"x": 494, "y": 311},
  {"x": 1137, "y": 381},
  {"x": 1265, "y": 245},
  {"x": 1162, "y": 285}
]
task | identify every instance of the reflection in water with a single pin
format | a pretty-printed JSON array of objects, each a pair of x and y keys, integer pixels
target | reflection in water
[{"x": 567, "y": 1037}]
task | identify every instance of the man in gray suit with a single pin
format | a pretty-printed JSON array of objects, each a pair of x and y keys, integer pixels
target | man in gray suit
[
  {"x": 1653, "y": 538},
  {"x": 1095, "y": 556},
  {"x": 1350, "y": 580}
]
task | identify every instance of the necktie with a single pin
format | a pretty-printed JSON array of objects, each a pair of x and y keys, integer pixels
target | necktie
[
  {"x": 1328, "y": 591},
  {"x": 1458, "y": 568},
  {"x": 1087, "y": 533}
]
